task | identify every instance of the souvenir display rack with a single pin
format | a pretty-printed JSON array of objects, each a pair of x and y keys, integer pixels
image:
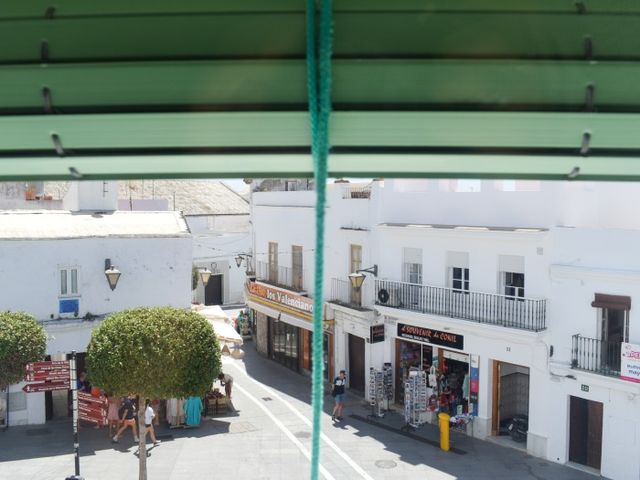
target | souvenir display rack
[
  {"x": 415, "y": 398},
  {"x": 376, "y": 392}
]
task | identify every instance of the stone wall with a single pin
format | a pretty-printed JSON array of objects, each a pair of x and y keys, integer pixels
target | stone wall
[{"x": 262, "y": 333}]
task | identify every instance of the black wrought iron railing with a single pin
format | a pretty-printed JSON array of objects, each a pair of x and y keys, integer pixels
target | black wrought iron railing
[
  {"x": 285, "y": 277},
  {"x": 343, "y": 293},
  {"x": 593, "y": 355},
  {"x": 502, "y": 310}
]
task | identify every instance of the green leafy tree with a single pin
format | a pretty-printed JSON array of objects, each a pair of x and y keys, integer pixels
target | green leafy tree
[
  {"x": 22, "y": 340},
  {"x": 194, "y": 277},
  {"x": 159, "y": 352}
]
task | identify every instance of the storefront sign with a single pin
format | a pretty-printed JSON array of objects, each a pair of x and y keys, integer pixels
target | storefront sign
[
  {"x": 297, "y": 303},
  {"x": 376, "y": 333},
  {"x": 429, "y": 335},
  {"x": 630, "y": 362}
]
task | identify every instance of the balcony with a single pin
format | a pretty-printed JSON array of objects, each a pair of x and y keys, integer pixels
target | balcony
[
  {"x": 359, "y": 192},
  {"x": 488, "y": 308},
  {"x": 283, "y": 277},
  {"x": 342, "y": 293},
  {"x": 597, "y": 356}
]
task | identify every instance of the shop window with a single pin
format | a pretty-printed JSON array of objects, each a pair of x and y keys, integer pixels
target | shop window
[
  {"x": 68, "y": 282},
  {"x": 412, "y": 266}
]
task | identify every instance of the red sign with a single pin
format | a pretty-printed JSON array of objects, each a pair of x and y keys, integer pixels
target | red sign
[
  {"x": 92, "y": 409},
  {"x": 48, "y": 366},
  {"x": 45, "y": 386},
  {"x": 47, "y": 377}
]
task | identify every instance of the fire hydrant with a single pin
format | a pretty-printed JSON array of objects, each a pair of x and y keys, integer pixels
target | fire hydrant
[{"x": 443, "y": 420}]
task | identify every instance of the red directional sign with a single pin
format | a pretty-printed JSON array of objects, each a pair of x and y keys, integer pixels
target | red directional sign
[
  {"x": 92, "y": 409},
  {"x": 56, "y": 376},
  {"x": 45, "y": 386},
  {"x": 48, "y": 366}
]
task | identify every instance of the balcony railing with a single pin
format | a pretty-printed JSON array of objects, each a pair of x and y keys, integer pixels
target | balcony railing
[
  {"x": 593, "y": 355},
  {"x": 356, "y": 192},
  {"x": 343, "y": 293},
  {"x": 280, "y": 276},
  {"x": 502, "y": 310}
]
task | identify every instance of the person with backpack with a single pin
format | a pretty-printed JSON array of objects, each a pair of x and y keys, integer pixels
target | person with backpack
[
  {"x": 128, "y": 418},
  {"x": 337, "y": 392}
]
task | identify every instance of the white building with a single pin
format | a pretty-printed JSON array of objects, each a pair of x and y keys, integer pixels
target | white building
[
  {"x": 519, "y": 293},
  {"x": 52, "y": 266},
  {"x": 217, "y": 217}
]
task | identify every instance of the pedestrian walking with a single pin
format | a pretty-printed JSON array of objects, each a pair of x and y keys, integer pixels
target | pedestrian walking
[
  {"x": 226, "y": 381},
  {"x": 337, "y": 392},
  {"x": 149, "y": 415},
  {"x": 113, "y": 416},
  {"x": 128, "y": 418}
]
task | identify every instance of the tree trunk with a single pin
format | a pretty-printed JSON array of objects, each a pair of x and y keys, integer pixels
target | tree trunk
[{"x": 142, "y": 448}]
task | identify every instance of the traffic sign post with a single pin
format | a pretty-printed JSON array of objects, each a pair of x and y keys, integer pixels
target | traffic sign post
[{"x": 74, "y": 392}]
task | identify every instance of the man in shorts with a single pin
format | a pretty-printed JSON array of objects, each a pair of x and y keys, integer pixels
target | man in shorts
[
  {"x": 337, "y": 392},
  {"x": 128, "y": 418}
]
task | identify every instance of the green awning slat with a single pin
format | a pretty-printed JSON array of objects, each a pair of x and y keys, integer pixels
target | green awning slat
[
  {"x": 272, "y": 83},
  {"x": 358, "y": 34},
  {"x": 292, "y": 166},
  {"x": 498, "y": 130}
]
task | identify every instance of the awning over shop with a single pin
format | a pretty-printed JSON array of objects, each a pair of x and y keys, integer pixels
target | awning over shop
[{"x": 221, "y": 324}]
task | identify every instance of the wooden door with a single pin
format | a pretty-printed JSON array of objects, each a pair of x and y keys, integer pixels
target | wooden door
[
  {"x": 356, "y": 363},
  {"x": 495, "y": 408},
  {"x": 594, "y": 434},
  {"x": 585, "y": 432},
  {"x": 213, "y": 291}
]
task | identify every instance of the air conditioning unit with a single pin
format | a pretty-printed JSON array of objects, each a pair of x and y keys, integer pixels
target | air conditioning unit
[{"x": 389, "y": 297}]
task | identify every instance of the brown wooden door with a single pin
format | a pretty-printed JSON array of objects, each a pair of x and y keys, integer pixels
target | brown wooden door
[
  {"x": 594, "y": 435},
  {"x": 356, "y": 363},
  {"x": 585, "y": 432}
]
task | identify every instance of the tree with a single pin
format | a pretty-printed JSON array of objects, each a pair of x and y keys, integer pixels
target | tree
[
  {"x": 159, "y": 352},
  {"x": 22, "y": 340}
]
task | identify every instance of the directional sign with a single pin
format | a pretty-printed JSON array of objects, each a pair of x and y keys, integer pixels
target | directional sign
[
  {"x": 45, "y": 387},
  {"x": 92, "y": 409},
  {"x": 47, "y": 366},
  {"x": 47, "y": 377}
]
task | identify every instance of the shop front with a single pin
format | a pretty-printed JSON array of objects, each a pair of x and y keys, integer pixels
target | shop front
[
  {"x": 452, "y": 374},
  {"x": 284, "y": 328}
]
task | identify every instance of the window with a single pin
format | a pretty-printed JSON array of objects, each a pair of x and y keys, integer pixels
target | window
[
  {"x": 296, "y": 266},
  {"x": 355, "y": 264},
  {"x": 514, "y": 284},
  {"x": 412, "y": 265},
  {"x": 273, "y": 262},
  {"x": 356, "y": 258},
  {"x": 68, "y": 281},
  {"x": 460, "y": 279}
]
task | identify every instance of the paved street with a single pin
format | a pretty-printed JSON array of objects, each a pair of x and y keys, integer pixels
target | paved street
[{"x": 269, "y": 438}]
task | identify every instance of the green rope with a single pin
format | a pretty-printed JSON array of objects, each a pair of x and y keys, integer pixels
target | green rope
[{"x": 319, "y": 92}]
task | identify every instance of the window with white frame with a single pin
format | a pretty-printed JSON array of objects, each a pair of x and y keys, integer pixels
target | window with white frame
[
  {"x": 460, "y": 279},
  {"x": 511, "y": 268},
  {"x": 412, "y": 265},
  {"x": 68, "y": 282},
  {"x": 458, "y": 271},
  {"x": 514, "y": 284}
]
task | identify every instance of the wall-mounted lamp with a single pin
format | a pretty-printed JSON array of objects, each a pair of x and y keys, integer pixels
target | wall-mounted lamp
[
  {"x": 242, "y": 256},
  {"x": 112, "y": 274},
  {"x": 357, "y": 278},
  {"x": 205, "y": 275}
]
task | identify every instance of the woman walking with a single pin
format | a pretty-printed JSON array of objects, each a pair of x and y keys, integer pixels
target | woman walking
[
  {"x": 149, "y": 415},
  {"x": 112, "y": 414}
]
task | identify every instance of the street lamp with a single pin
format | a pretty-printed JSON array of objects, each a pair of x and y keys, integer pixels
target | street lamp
[
  {"x": 112, "y": 274},
  {"x": 205, "y": 275},
  {"x": 357, "y": 278},
  {"x": 242, "y": 256}
]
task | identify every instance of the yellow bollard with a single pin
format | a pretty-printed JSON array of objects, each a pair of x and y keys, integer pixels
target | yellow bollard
[{"x": 443, "y": 420}]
